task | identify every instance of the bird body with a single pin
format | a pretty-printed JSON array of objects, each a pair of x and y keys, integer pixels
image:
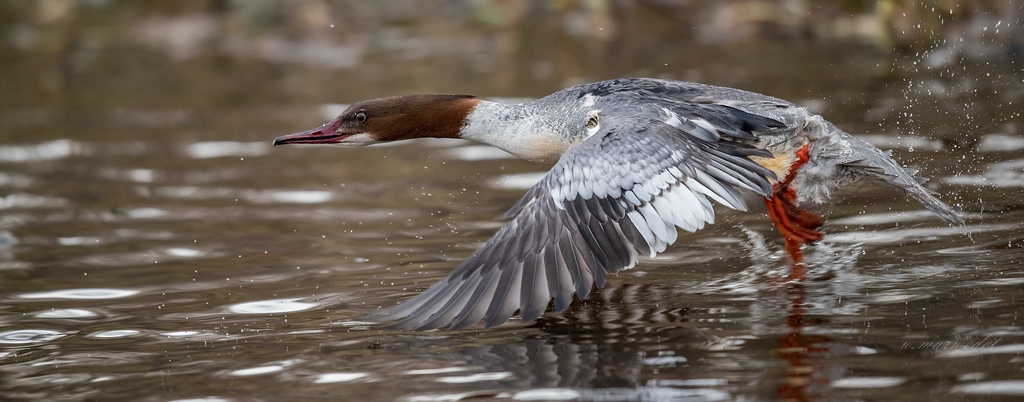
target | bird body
[{"x": 635, "y": 159}]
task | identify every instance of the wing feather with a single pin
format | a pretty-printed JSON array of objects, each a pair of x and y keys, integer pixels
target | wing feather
[
  {"x": 620, "y": 194},
  {"x": 506, "y": 298},
  {"x": 534, "y": 287},
  {"x": 572, "y": 268}
]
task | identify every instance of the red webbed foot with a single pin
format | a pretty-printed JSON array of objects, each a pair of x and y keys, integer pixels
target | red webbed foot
[{"x": 797, "y": 225}]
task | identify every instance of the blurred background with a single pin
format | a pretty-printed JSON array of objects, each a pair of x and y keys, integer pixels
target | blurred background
[
  {"x": 155, "y": 247},
  {"x": 181, "y": 63}
]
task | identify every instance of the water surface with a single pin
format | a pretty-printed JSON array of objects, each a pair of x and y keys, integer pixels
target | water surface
[{"x": 154, "y": 246}]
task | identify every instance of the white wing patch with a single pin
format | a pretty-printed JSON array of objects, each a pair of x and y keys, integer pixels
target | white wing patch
[
  {"x": 589, "y": 100},
  {"x": 677, "y": 206},
  {"x": 707, "y": 126},
  {"x": 710, "y": 133},
  {"x": 662, "y": 203},
  {"x": 673, "y": 118}
]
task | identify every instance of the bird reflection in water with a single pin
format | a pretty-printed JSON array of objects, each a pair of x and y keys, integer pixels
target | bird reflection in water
[
  {"x": 650, "y": 342},
  {"x": 603, "y": 340},
  {"x": 600, "y": 343},
  {"x": 800, "y": 350}
]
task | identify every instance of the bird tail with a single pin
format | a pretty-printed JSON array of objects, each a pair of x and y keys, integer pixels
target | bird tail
[{"x": 868, "y": 161}]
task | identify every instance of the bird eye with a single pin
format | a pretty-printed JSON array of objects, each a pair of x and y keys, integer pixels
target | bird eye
[
  {"x": 360, "y": 117},
  {"x": 592, "y": 122}
]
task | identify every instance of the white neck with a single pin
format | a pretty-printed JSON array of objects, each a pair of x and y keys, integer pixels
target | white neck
[{"x": 516, "y": 129}]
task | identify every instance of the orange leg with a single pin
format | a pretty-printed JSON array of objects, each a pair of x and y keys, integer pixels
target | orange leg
[{"x": 797, "y": 225}]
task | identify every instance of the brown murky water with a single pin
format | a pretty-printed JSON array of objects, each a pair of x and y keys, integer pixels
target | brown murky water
[{"x": 154, "y": 246}]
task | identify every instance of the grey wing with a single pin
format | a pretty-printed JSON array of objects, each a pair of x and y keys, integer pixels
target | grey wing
[{"x": 620, "y": 193}]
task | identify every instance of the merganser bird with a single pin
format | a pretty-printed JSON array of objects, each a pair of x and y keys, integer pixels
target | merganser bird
[{"x": 636, "y": 158}]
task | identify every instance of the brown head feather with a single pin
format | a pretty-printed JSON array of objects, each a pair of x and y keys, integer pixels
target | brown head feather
[
  {"x": 405, "y": 117},
  {"x": 393, "y": 118}
]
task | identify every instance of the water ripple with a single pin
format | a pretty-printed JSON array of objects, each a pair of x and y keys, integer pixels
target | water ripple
[
  {"x": 655, "y": 394},
  {"x": 66, "y": 313},
  {"x": 78, "y": 241},
  {"x": 267, "y": 369},
  {"x": 451, "y": 397},
  {"x": 184, "y": 252},
  {"x": 1008, "y": 387},
  {"x": 884, "y": 218},
  {"x": 57, "y": 149},
  {"x": 271, "y": 306},
  {"x": 441, "y": 370},
  {"x": 22, "y": 336},
  {"x": 868, "y": 382},
  {"x": 253, "y": 196},
  {"x": 1007, "y": 174},
  {"x": 289, "y": 196},
  {"x": 145, "y": 213},
  {"x": 189, "y": 335},
  {"x": 477, "y": 153},
  {"x": 256, "y": 371},
  {"x": 912, "y": 234},
  {"x": 217, "y": 149},
  {"x": 113, "y": 334},
  {"x": 520, "y": 181},
  {"x": 22, "y": 200},
  {"x": 82, "y": 294},
  {"x": 1016, "y": 348},
  {"x": 338, "y": 377},
  {"x": 15, "y": 180},
  {"x": 546, "y": 394},
  {"x": 886, "y": 141},
  {"x": 1000, "y": 143},
  {"x": 664, "y": 360},
  {"x": 475, "y": 378},
  {"x": 133, "y": 175}
]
